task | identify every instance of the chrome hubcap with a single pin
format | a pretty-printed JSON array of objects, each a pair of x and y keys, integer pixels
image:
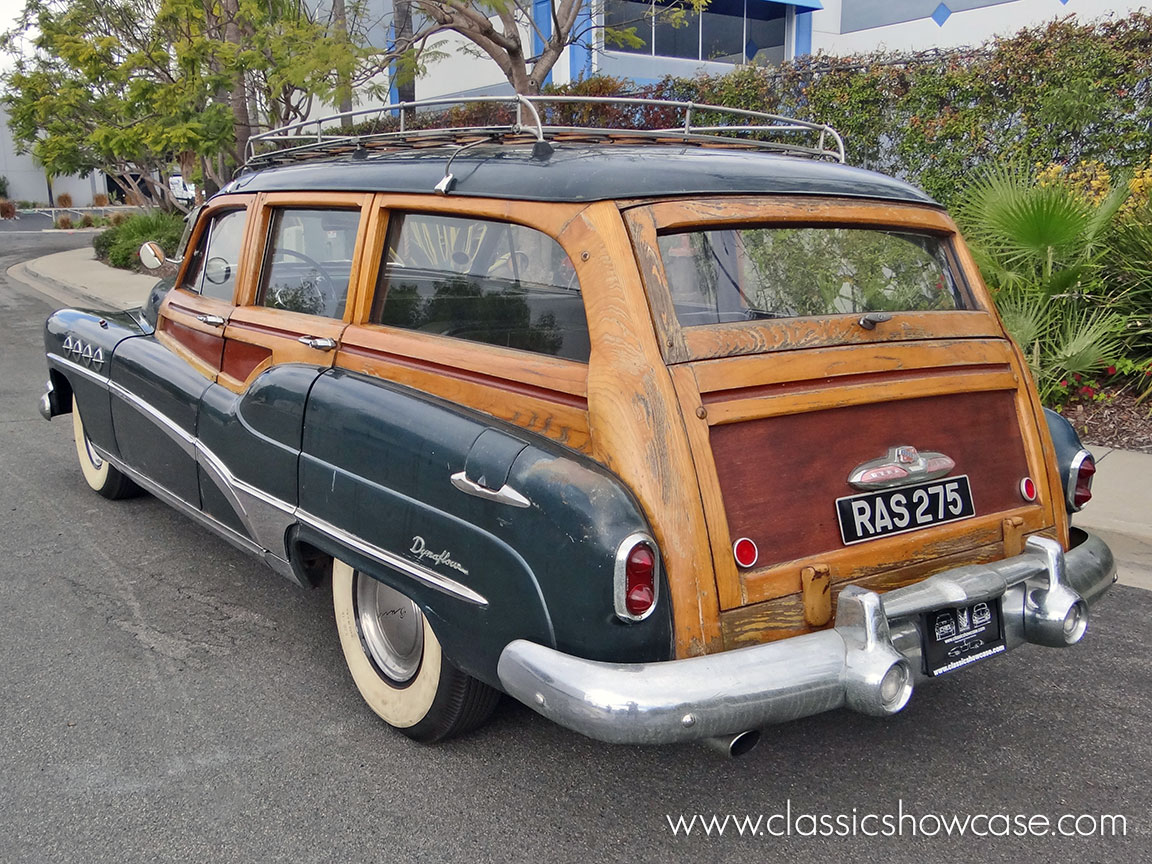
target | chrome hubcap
[{"x": 391, "y": 627}]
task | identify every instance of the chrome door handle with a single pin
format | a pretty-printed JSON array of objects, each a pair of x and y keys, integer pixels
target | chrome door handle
[
  {"x": 869, "y": 321},
  {"x": 320, "y": 343},
  {"x": 504, "y": 495},
  {"x": 211, "y": 320}
]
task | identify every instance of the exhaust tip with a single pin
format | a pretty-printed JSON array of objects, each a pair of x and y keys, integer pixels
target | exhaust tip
[{"x": 735, "y": 746}]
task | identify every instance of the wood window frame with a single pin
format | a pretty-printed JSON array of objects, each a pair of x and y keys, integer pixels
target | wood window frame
[{"x": 682, "y": 344}]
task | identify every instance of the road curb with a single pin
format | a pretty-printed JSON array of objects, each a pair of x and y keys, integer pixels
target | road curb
[
  {"x": 61, "y": 292},
  {"x": 73, "y": 291}
]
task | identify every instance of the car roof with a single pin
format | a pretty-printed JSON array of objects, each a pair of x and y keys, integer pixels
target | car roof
[{"x": 581, "y": 172}]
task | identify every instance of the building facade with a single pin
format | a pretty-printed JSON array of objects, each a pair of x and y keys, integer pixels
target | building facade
[
  {"x": 28, "y": 182},
  {"x": 763, "y": 32}
]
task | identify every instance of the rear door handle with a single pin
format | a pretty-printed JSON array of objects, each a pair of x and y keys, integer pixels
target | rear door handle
[
  {"x": 211, "y": 320},
  {"x": 504, "y": 495},
  {"x": 320, "y": 343}
]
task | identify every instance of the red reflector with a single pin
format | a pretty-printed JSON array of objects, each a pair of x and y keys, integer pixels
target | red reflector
[
  {"x": 1028, "y": 489},
  {"x": 1083, "y": 493},
  {"x": 639, "y": 575},
  {"x": 746, "y": 552}
]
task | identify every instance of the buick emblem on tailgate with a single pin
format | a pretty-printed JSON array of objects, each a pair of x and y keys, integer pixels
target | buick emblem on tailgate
[{"x": 903, "y": 464}]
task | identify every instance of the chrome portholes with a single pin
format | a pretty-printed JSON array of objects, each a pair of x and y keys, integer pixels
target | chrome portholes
[
  {"x": 391, "y": 629},
  {"x": 82, "y": 352}
]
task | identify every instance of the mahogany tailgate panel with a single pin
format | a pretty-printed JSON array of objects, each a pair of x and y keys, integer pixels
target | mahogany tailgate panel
[{"x": 781, "y": 475}]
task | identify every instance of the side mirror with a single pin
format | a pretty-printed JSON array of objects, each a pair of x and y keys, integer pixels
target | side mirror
[{"x": 151, "y": 255}]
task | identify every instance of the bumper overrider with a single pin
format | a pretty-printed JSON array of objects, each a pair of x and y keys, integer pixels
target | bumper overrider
[{"x": 869, "y": 661}]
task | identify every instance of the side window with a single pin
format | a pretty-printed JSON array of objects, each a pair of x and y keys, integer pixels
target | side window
[
  {"x": 308, "y": 263},
  {"x": 212, "y": 271},
  {"x": 483, "y": 281}
]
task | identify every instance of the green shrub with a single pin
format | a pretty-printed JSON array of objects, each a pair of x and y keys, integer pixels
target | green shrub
[
  {"x": 1127, "y": 266},
  {"x": 120, "y": 244},
  {"x": 102, "y": 243},
  {"x": 3, "y": 186},
  {"x": 1040, "y": 244}
]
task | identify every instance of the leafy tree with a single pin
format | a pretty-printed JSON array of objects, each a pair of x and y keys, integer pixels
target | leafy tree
[
  {"x": 505, "y": 31},
  {"x": 131, "y": 86}
]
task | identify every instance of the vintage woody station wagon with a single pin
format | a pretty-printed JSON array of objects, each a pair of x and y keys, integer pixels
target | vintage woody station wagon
[{"x": 669, "y": 434}]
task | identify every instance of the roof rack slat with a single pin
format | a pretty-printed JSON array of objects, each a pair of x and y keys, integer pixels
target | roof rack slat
[{"x": 729, "y": 127}]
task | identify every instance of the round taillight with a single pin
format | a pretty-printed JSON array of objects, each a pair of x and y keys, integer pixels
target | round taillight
[
  {"x": 745, "y": 552},
  {"x": 1028, "y": 489},
  {"x": 640, "y": 580},
  {"x": 1083, "y": 493}
]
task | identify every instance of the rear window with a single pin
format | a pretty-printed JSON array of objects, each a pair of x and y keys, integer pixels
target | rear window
[{"x": 737, "y": 274}]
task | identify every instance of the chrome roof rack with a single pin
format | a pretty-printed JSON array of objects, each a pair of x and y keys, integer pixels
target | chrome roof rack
[{"x": 538, "y": 120}]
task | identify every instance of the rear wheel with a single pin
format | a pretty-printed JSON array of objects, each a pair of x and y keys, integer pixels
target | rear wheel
[
  {"x": 397, "y": 664},
  {"x": 101, "y": 476}
]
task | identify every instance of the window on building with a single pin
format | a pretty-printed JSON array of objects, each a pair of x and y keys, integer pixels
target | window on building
[
  {"x": 728, "y": 31},
  {"x": 483, "y": 281}
]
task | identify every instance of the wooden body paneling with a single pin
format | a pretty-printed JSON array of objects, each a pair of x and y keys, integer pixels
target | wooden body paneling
[
  {"x": 779, "y": 411},
  {"x": 781, "y": 475},
  {"x": 745, "y": 429}
]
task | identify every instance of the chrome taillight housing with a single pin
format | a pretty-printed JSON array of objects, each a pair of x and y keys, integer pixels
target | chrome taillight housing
[
  {"x": 636, "y": 587},
  {"x": 1079, "y": 490}
]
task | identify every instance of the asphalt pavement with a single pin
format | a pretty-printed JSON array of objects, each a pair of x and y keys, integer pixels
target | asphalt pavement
[{"x": 167, "y": 698}]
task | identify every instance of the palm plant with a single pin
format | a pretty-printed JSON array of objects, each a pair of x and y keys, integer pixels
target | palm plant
[{"x": 1040, "y": 248}]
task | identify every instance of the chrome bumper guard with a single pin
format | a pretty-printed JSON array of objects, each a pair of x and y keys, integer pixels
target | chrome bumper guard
[
  {"x": 49, "y": 405},
  {"x": 869, "y": 661}
]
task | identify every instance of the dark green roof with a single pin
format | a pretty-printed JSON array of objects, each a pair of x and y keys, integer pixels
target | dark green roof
[{"x": 584, "y": 172}]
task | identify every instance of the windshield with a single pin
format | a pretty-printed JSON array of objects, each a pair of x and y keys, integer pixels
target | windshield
[{"x": 736, "y": 274}]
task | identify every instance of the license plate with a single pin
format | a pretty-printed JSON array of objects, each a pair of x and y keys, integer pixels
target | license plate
[
  {"x": 907, "y": 508},
  {"x": 954, "y": 638}
]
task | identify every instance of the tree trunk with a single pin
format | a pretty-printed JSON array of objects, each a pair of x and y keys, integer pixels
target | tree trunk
[
  {"x": 238, "y": 98},
  {"x": 344, "y": 85}
]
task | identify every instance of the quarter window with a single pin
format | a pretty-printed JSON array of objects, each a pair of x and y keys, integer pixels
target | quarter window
[
  {"x": 308, "y": 265},
  {"x": 483, "y": 281}
]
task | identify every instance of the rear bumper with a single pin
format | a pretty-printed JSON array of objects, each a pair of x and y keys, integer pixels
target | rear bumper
[{"x": 869, "y": 661}]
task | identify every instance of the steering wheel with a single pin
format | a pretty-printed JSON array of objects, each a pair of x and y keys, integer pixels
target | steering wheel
[{"x": 322, "y": 291}]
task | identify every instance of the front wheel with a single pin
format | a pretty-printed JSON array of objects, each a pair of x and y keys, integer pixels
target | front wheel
[
  {"x": 397, "y": 664},
  {"x": 103, "y": 478}
]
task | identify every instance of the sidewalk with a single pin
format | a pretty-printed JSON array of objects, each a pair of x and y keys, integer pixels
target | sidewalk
[
  {"x": 76, "y": 278},
  {"x": 1120, "y": 509}
]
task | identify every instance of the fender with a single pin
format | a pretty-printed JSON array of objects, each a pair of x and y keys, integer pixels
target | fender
[
  {"x": 80, "y": 344},
  {"x": 377, "y": 488},
  {"x": 1069, "y": 453}
]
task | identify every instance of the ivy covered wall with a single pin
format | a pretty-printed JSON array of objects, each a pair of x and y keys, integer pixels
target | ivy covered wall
[{"x": 1062, "y": 93}]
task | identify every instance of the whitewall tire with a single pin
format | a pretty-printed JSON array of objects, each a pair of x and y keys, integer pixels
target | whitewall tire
[
  {"x": 397, "y": 663},
  {"x": 101, "y": 476}
]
